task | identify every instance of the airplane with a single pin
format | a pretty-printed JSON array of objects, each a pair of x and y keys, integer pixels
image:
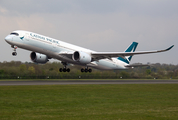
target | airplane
[{"x": 44, "y": 48}]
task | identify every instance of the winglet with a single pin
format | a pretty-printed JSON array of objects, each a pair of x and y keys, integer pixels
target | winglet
[{"x": 170, "y": 48}]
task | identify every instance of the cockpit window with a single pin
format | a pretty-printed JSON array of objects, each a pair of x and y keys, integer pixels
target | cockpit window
[{"x": 14, "y": 34}]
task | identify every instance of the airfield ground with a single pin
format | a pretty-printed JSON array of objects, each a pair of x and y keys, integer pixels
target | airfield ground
[
  {"x": 89, "y": 101},
  {"x": 82, "y": 81}
]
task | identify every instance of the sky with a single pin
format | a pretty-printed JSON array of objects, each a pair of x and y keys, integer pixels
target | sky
[{"x": 99, "y": 25}]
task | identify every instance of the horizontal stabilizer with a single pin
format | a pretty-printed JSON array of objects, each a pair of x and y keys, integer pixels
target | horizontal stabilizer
[{"x": 132, "y": 66}]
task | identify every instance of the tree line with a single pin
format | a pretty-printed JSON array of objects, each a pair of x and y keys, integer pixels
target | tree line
[{"x": 50, "y": 70}]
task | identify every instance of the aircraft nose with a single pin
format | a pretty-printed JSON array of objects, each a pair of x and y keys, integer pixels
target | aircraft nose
[{"x": 8, "y": 38}]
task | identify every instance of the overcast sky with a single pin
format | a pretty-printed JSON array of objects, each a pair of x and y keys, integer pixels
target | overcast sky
[{"x": 100, "y": 25}]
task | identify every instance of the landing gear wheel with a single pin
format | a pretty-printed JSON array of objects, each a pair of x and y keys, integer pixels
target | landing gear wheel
[
  {"x": 82, "y": 70},
  {"x": 60, "y": 70},
  {"x": 64, "y": 70},
  {"x": 14, "y": 53},
  {"x": 89, "y": 70},
  {"x": 86, "y": 70}
]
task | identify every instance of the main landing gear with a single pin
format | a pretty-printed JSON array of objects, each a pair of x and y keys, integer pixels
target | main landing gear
[
  {"x": 14, "y": 53},
  {"x": 86, "y": 70},
  {"x": 64, "y": 69}
]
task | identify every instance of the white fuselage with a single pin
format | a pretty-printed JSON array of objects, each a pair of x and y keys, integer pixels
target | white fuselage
[{"x": 55, "y": 48}]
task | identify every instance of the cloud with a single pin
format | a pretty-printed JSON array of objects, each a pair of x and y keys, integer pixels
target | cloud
[
  {"x": 8, "y": 24},
  {"x": 156, "y": 8},
  {"x": 98, "y": 25},
  {"x": 3, "y": 10},
  {"x": 21, "y": 7}
]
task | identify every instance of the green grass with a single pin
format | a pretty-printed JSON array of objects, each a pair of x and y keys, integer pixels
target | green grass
[
  {"x": 74, "y": 79},
  {"x": 78, "y": 102}
]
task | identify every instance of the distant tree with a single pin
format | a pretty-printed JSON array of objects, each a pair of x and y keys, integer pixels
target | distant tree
[
  {"x": 1, "y": 72},
  {"x": 170, "y": 74},
  {"x": 51, "y": 69},
  {"x": 135, "y": 75},
  {"x": 23, "y": 67},
  {"x": 124, "y": 74},
  {"x": 31, "y": 70},
  {"x": 148, "y": 71}
]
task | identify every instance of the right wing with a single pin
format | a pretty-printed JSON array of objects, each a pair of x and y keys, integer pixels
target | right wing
[{"x": 103, "y": 55}]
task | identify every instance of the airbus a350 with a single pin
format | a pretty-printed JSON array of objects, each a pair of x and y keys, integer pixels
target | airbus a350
[{"x": 44, "y": 48}]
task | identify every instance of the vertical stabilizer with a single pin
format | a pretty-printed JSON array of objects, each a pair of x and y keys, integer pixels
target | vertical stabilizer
[{"x": 131, "y": 48}]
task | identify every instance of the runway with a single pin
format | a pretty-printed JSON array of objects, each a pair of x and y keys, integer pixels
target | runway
[{"x": 73, "y": 82}]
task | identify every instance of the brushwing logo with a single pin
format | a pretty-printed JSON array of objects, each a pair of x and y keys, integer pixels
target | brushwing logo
[
  {"x": 22, "y": 38},
  {"x": 131, "y": 48}
]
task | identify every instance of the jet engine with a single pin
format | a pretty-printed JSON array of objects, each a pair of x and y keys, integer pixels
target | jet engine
[
  {"x": 81, "y": 57},
  {"x": 38, "y": 58}
]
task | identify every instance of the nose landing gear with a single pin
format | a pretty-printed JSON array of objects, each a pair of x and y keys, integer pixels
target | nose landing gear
[{"x": 14, "y": 53}]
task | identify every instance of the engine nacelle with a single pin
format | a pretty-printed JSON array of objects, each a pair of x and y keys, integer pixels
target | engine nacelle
[
  {"x": 81, "y": 57},
  {"x": 38, "y": 58}
]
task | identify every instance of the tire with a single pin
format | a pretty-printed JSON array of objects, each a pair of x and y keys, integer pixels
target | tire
[
  {"x": 64, "y": 70},
  {"x": 90, "y": 70},
  {"x": 60, "y": 70},
  {"x": 86, "y": 70},
  {"x": 14, "y": 53},
  {"x": 82, "y": 70}
]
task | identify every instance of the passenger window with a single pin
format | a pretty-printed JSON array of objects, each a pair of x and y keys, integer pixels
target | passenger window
[{"x": 14, "y": 34}]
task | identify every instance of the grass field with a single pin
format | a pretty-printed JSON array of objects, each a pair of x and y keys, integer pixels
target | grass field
[{"x": 81, "y": 102}]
